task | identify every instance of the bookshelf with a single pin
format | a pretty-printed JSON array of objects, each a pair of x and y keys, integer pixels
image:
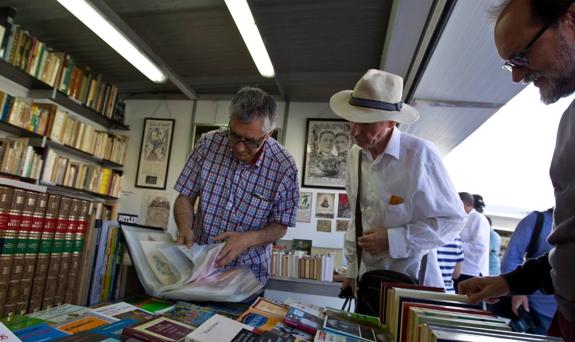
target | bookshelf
[{"x": 39, "y": 90}]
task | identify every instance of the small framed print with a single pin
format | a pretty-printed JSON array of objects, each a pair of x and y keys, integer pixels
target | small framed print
[
  {"x": 341, "y": 225},
  {"x": 304, "y": 207},
  {"x": 325, "y": 205},
  {"x": 323, "y": 226},
  {"x": 325, "y": 156},
  {"x": 155, "y": 151},
  {"x": 343, "y": 207}
]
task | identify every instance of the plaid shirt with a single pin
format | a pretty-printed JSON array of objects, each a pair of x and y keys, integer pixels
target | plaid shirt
[{"x": 238, "y": 197}]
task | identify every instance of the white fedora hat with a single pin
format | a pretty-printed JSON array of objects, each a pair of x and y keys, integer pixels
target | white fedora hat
[{"x": 376, "y": 97}]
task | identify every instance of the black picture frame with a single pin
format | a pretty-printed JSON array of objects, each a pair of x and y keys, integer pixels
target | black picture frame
[
  {"x": 325, "y": 165},
  {"x": 155, "y": 153}
]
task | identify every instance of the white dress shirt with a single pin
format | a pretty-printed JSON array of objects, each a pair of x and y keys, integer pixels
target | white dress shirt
[
  {"x": 475, "y": 238},
  {"x": 430, "y": 215}
]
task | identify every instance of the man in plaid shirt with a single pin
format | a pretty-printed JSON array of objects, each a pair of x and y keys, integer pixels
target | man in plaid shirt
[{"x": 246, "y": 184}]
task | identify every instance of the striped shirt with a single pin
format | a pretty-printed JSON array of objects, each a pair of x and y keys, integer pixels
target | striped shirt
[
  {"x": 447, "y": 257},
  {"x": 238, "y": 197}
]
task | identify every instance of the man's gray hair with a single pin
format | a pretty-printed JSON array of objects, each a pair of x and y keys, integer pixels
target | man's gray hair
[{"x": 251, "y": 103}]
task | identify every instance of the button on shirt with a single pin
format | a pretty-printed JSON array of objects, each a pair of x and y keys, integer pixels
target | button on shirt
[
  {"x": 238, "y": 197},
  {"x": 429, "y": 213},
  {"x": 475, "y": 238}
]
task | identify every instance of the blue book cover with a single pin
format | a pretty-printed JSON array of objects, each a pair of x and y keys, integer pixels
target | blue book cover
[
  {"x": 114, "y": 329},
  {"x": 39, "y": 333}
]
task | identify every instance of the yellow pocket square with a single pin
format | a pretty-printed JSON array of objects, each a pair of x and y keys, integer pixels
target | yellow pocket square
[{"x": 395, "y": 200}]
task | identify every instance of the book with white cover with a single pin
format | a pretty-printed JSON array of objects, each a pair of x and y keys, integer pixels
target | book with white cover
[
  {"x": 174, "y": 271},
  {"x": 220, "y": 328},
  {"x": 6, "y": 335}
]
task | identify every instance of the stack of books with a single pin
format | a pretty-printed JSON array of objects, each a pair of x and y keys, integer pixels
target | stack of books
[
  {"x": 18, "y": 158},
  {"x": 417, "y": 313}
]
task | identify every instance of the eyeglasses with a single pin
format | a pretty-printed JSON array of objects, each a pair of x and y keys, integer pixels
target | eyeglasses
[
  {"x": 520, "y": 59},
  {"x": 251, "y": 144}
]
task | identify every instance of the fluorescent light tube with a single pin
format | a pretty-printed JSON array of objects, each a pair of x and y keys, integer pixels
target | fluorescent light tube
[
  {"x": 246, "y": 24},
  {"x": 96, "y": 22}
]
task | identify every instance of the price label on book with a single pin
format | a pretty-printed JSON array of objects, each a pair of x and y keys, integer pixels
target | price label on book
[{"x": 127, "y": 218}]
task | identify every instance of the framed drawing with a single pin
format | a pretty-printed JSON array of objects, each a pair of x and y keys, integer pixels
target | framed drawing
[
  {"x": 325, "y": 205},
  {"x": 325, "y": 158},
  {"x": 155, "y": 151},
  {"x": 201, "y": 129},
  {"x": 304, "y": 207}
]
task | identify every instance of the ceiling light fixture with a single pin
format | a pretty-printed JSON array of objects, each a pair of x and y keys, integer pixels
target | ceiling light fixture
[
  {"x": 96, "y": 22},
  {"x": 246, "y": 24}
]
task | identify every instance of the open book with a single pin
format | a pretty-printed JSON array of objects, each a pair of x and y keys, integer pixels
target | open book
[{"x": 174, "y": 271}]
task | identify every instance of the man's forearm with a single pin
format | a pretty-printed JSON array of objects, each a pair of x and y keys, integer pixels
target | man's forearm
[
  {"x": 267, "y": 235},
  {"x": 184, "y": 212}
]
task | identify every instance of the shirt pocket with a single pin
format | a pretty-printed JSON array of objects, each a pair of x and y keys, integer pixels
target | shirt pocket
[
  {"x": 396, "y": 215},
  {"x": 253, "y": 210}
]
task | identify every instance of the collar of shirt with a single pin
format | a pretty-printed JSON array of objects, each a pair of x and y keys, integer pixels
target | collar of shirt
[{"x": 392, "y": 149}]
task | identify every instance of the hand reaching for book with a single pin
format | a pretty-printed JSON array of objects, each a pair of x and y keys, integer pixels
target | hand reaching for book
[
  {"x": 488, "y": 289},
  {"x": 236, "y": 244}
]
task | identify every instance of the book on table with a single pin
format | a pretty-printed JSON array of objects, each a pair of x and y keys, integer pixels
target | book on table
[{"x": 174, "y": 271}]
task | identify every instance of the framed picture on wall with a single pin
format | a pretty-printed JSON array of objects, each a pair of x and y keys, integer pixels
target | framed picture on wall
[
  {"x": 325, "y": 156},
  {"x": 201, "y": 129},
  {"x": 155, "y": 150}
]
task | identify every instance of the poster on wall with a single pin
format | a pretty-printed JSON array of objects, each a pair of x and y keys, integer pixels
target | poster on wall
[
  {"x": 343, "y": 208},
  {"x": 155, "y": 152},
  {"x": 325, "y": 205},
  {"x": 304, "y": 207},
  {"x": 325, "y": 156},
  {"x": 323, "y": 226},
  {"x": 156, "y": 209},
  {"x": 341, "y": 225}
]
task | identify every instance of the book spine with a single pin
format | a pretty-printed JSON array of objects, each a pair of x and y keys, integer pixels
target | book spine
[
  {"x": 72, "y": 290},
  {"x": 19, "y": 265},
  {"x": 9, "y": 244},
  {"x": 56, "y": 254},
  {"x": 67, "y": 251},
  {"x": 33, "y": 246},
  {"x": 44, "y": 252},
  {"x": 6, "y": 196}
]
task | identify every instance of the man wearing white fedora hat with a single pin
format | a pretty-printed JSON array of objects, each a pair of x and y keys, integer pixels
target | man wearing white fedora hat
[{"x": 407, "y": 202}]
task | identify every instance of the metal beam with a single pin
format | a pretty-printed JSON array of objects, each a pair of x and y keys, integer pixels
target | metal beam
[
  {"x": 457, "y": 104},
  {"x": 121, "y": 25}
]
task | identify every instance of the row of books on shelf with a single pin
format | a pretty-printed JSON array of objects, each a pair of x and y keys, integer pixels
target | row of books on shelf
[
  {"x": 18, "y": 158},
  {"x": 47, "y": 119},
  {"x": 69, "y": 172},
  {"x": 295, "y": 264},
  {"x": 41, "y": 243},
  {"x": 57, "y": 69}
]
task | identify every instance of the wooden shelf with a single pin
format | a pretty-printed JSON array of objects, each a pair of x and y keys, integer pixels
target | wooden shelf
[
  {"x": 27, "y": 180},
  {"x": 82, "y": 154},
  {"x": 17, "y": 131},
  {"x": 20, "y": 77},
  {"x": 66, "y": 190},
  {"x": 76, "y": 107}
]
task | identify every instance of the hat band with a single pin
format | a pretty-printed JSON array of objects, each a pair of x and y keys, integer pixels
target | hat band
[{"x": 356, "y": 101}]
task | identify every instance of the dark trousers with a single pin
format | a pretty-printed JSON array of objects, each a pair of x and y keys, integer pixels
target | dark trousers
[{"x": 562, "y": 327}]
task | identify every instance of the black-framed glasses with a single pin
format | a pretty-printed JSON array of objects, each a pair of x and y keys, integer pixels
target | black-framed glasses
[
  {"x": 251, "y": 144},
  {"x": 520, "y": 58}
]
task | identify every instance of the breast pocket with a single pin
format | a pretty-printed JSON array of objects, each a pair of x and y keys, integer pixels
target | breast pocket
[
  {"x": 397, "y": 214},
  {"x": 253, "y": 210}
]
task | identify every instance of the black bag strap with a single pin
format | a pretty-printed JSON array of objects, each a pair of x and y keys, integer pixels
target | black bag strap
[
  {"x": 358, "y": 222},
  {"x": 535, "y": 236},
  {"x": 359, "y": 228},
  {"x": 347, "y": 304}
]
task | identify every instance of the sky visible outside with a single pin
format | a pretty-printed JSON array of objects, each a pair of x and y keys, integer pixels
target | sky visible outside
[{"x": 507, "y": 159}]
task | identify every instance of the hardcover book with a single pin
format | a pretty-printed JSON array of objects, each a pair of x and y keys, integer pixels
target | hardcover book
[
  {"x": 160, "y": 329},
  {"x": 220, "y": 328}
]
